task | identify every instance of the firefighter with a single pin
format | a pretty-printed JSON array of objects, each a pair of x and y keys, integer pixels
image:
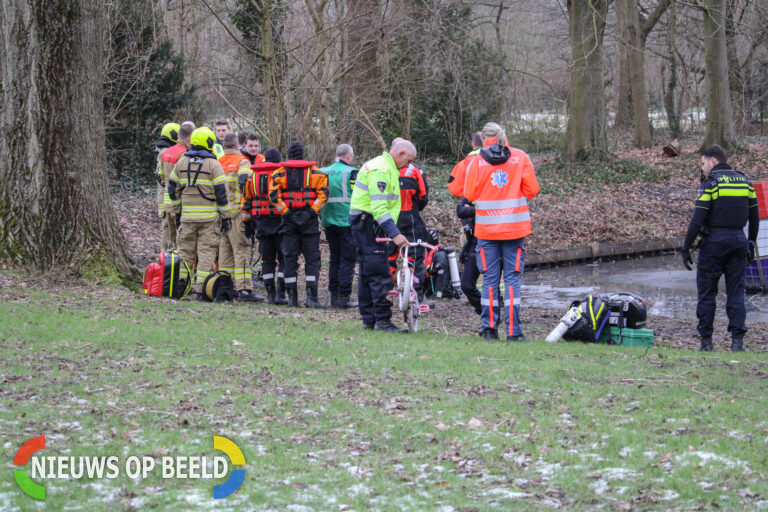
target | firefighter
[
  {"x": 459, "y": 171},
  {"x": 335, "y": 220},
  {"x": 168, "y": 137},
  {"x": 373, "y": 214},
  {"x": 263, "y": 222},
  {"x": 197, "y": 184},
  {"x": 500, "y": 181},
  {"x": 234, "y": 249},
  {"x": 414, "y": 191},
  {"x": 251, "y": 149},
  {"x": 298, "y": 191},
  {"x": 726, "y": 202},
  {"x": 168, "y": 160}
]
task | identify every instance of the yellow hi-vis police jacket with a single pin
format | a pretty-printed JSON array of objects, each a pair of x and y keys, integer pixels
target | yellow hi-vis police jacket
[{"x": 377, "y": 192}]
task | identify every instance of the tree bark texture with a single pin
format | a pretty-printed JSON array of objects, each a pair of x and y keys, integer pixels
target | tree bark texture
[
  {"x": 56, "y": 213},
  {"x": 720, "y": 128},
  {"x": 585, "y": 131},
  {"x": 670, "y": 91},
  {"x": 628, "y": 19}
]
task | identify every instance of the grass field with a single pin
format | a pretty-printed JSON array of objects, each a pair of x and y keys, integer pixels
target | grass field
[{"x": 331, "y": 417}]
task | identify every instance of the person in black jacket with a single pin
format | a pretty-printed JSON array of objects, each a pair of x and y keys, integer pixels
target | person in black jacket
[
  {"x": 726, "y": 201},
  {"x": 470, "y": 273}
]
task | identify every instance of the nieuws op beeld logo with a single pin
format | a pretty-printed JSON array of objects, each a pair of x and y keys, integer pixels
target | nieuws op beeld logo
[{"x": 179, "y": 467}]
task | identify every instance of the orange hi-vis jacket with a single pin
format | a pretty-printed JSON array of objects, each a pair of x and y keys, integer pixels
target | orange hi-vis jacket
[
  {"x": 256, "y": 197},
  {"x": 500, "y": 191},
  {"x": 298, "y": 184},
  {"x": 459, "y": 174},
  {"x": 235, "y": 165}
]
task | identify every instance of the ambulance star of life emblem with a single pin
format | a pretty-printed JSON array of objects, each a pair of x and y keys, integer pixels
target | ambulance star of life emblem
[{"x": 499, "y": 178}]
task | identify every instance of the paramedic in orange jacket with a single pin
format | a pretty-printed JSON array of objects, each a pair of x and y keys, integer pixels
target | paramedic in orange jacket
[
  {"x": 298, "y": 191},
  {"x": 459, "y": 171},
  {"x": 500, "y": 181}
]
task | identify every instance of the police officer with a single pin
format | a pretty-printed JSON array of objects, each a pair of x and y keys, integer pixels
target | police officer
[
  {"x": 726, "y": 201},
  {"x": 197, "y": 183},
  {"x": 373, "y": 214},
  {"x": 335, "y": 220},
  {"x": 298, "y": 191}
]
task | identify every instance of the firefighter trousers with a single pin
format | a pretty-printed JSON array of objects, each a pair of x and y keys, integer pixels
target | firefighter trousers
[
  {"x": 235, "y": 255},
  {"x": 203, "y": 237}
]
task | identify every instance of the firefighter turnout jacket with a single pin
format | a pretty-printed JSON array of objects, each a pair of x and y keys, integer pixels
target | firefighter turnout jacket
[
  {"x": 377, "y": 193},
  {"x": 166, "y": 162},
  {"x": 500, "y": 181},
  {"x": 298, "y": 184},
  {"x": 197, "y": 183}
]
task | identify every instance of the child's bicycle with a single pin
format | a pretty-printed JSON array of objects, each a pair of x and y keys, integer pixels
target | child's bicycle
[{"x": 407, "y": 298}]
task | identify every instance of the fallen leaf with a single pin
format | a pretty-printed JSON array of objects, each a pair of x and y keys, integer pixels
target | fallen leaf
[
  {"x": 474, "y": 423},
  {"x": 442, "y": 426}
]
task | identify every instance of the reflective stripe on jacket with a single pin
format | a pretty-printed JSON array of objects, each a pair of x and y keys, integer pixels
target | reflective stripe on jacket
[
  {"x": 256, "y": 199},
  {"x": 377, "y": 192},
  {"x": 500, "y": 193},
  {"x": 234, "y": 165}
]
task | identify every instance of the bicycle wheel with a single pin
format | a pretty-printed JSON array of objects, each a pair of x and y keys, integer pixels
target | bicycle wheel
[
  {"x": 403, "y": 288},
  {"x": 411, "y": 316}
]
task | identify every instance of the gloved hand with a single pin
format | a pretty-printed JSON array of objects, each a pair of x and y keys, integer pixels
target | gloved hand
[
  {"x": 226, "y": 225},
  {"x": 250, "y": 232},
  {"x": 687, "y": 260},
  {"x": 752, "y": 250}
]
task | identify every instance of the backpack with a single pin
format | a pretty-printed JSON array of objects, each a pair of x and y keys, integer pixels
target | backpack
[
  {"x": 163, "y": 278},
  {"x": 219, "y": 287},
  {"x": 594, "y": 316},
  {"x": 626, "y": 311}
]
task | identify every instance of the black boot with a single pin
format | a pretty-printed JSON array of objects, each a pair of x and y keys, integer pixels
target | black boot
[
  {"x": 388, "y": 326},
  {"x": 489, "y": 334},
  {"x": 334, "y": 300},
  {"x": 293, "y": 298},
  {"x": 346, "y": 303},
  {"x": 248, "y": 296},
  {"x": 280, "y": 299},
  {"x": 312, "y": 301},
  {"x": 706, "y": 344},
  {"x": 737, "y": 344},
  {"x": 269, "y": 286}
]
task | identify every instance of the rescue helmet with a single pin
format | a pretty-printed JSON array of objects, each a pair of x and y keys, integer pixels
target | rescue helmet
[
  {"x": 171, "y": 131},
  {"x": 203, "y": 138},
  {"x": 433, "y": 238}
]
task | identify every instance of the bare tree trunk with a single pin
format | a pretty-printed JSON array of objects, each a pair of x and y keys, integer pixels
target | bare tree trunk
[
  {"x": 55, "y": 206},
  {"x": 735, "y": 75},
  {"x": 719, "y": 111},
  {"x": 585, "y": 131},
  {"x": 670, "y": 96},
  {"x": 632, "y": 42}
]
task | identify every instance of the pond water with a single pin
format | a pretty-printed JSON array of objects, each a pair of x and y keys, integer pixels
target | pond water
[{"x": 668, "y": 288}]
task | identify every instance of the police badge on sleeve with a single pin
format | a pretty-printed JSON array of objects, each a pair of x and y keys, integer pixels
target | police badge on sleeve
[{"x": 382, "y": 185}]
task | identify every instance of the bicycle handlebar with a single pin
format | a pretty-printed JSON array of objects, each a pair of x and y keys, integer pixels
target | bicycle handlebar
[{"x": 410, "y": 244}]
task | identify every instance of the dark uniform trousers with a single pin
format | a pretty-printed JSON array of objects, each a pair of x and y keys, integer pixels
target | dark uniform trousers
[
  {"x": 375, "y": 281},
  {"x": 267, "y": 233},
  {"x": 301, "y": 235},
  {"x": 470, "y": 274},
  {"x": 343, "y": 259},
  {"x": 724, "y": 251}
]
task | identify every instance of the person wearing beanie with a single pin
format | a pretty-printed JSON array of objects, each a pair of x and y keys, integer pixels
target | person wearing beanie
[
  {"x": 298, "y": 191},
  {"x": 263, "y": 222}
]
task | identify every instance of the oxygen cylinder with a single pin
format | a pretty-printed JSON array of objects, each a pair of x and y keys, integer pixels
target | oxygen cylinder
[
  {"x": 453, "y": 265},
  {"x": 568, "y": 320}
]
